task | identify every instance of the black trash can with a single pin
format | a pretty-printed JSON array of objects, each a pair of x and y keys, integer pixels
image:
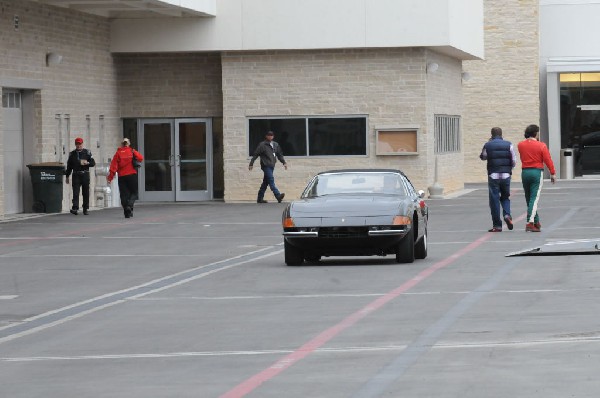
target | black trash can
[{"x": 47, "y": 181}]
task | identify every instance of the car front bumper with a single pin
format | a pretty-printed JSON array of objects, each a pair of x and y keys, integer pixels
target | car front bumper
[{"x": 332, "y": 241}]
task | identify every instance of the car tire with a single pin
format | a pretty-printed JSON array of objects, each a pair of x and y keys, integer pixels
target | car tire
[
  {"x": 405, "y": 251},
  {"x": 293, "y": 255},
  {"x": 421, "y": 247}
]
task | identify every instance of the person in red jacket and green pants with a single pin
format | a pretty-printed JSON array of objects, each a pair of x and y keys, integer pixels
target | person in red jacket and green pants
[{"x": 534, "y": 155}]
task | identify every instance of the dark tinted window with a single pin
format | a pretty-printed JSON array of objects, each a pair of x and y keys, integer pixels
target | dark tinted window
[
  {"x": 289, "y": 133},
  {"x": 337, "y": 136},
  {"x": 327, "y": 136}
]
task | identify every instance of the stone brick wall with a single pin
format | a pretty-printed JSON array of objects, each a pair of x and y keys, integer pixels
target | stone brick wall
[
  {"x": 504, "y": 88},
  {"x": 82, "y": 85},
  {"x": 444, "y": 97},
  {"x": 387, "y": 85},
  {"x": 169, "y": 85}
]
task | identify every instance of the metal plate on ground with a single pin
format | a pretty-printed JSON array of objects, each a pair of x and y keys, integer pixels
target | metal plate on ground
[{"x": 561, "y": 248}]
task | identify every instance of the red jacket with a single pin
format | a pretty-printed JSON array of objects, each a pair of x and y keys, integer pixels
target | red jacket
[
  {"x": 534, "y": 154},
  {"x": 122, "y": 162}
]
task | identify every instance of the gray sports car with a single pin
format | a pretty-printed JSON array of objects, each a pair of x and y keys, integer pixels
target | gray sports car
[{"x": 360, "y": 212}]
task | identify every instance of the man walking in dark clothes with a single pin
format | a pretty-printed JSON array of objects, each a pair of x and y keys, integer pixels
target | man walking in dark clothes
[
  {"x": 268, "y": 151},
  {"x": 501, "y": 159},
  {"x": 79, "y": 163}
]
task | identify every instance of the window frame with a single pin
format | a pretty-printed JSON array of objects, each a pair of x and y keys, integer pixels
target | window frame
[{"x": 307, "y": 132}]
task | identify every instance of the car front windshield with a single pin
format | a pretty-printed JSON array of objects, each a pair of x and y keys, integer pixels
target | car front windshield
[{"x": 382, "y": 183}]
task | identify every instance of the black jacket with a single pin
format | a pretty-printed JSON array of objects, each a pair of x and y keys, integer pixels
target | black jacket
[
  {"x": 268, "y": 154},
  {"x": 74, "y": 161}
]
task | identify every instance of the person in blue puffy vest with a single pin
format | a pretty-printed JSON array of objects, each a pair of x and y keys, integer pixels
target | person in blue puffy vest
[{"x": 501, "y": 160}]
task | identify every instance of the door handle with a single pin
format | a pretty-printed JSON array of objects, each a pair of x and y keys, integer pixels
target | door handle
[
  {"x": 171, "y": 161},
  {"x": 178, "y": 160}
]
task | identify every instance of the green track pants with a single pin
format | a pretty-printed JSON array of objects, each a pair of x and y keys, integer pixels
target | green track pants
[{"x": 532, "y": 179}]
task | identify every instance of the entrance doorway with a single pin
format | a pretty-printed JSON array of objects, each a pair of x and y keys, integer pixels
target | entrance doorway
[
  {"x": 177, "y": 159},
  {"x": 580, "y": 119}
]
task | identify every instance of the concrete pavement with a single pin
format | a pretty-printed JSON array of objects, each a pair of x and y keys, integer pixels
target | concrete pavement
[{"x": 194, "y": 300}]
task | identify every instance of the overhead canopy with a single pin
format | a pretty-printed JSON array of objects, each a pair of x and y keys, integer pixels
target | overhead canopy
[{"x": 119, "y": 9}]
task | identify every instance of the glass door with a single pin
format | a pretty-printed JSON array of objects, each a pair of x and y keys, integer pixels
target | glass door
[
  {"x": 155, "y": 139},
  {"x": 177, "y": 159},
  {"x": 193, "y": 169}
]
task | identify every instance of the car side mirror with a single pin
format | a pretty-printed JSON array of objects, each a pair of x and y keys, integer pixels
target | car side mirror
[{"x": 421, "y": 193}]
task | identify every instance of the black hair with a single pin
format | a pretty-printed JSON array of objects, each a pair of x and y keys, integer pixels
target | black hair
[
  {"x": 531, "y": 131},
  {"x": 496, "y": 132}
]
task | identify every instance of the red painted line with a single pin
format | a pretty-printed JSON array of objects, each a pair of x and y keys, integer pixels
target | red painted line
[{"x": 255, "y": 381}]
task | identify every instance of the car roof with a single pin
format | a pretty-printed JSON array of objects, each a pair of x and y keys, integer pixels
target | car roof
[{"x": 363, "y": 171}]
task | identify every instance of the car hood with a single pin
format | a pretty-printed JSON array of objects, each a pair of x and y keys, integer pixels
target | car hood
[{"x": 348, "y": 205}]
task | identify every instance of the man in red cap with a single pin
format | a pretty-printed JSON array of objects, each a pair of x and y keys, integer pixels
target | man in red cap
[{"x": 79, "y": 163}]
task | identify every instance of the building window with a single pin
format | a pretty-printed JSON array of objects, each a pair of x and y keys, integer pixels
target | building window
[
  {"x": 447, "y": 133},
  {"x": 11, "y": 99},
  {"x": 312, "y": 136}
]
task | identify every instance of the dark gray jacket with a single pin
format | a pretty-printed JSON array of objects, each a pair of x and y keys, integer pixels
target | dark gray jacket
[{"x": 268, "y": 154}]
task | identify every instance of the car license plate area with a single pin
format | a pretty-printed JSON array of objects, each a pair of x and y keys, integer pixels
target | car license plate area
[{"x": 343, "y": 232}]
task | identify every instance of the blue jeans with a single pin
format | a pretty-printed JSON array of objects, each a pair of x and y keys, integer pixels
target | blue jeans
[
  {"x": 268, "y": 180},
  {"x": 499, "y": 194}
]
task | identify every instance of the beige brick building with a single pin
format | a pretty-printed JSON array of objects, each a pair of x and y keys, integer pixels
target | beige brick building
[
  {"x": 391, "y": 86},
  {"x": 118, "y": 77}
]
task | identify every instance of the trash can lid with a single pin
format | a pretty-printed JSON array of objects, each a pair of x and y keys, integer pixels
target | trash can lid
[{"x": 47, "y": 165}]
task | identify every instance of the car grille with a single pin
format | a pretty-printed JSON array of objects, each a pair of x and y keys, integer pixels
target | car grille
[{"x": 343, "y": 232}]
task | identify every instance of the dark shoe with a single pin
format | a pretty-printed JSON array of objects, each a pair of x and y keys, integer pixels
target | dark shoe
[
  {"x": 508, "y": 221},
  {"x": 85, "y": 212},
  {"x": 531, "y": 227},
  {"x": 538, "y": 225},
  {"x": 495, "y": 229},
  {"x": 261, "y": 201},
  {"x": 127, "y": 212},
  {"x": 280, "y": 197},
  {"x": 73, "y": 211}
]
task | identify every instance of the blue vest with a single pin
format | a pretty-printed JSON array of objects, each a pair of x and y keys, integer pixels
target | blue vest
[{"x": 499, "y": 157}]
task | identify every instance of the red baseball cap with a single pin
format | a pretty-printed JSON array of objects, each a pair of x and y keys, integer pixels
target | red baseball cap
[{"x": 78, "y": 140}]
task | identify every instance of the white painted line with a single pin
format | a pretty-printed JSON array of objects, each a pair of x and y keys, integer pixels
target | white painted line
[
  {"x": 43, "y": 237},
  {"x": 329, "y": 296},
  {"x": 9, "y": 297},
  {"x": 466, "y": 242},
  {"x": 333, "y": 350},
  {"x": 552, "y": 242},
  {"x": 260, "y": 297},
  {"x": 204, "y": 223},
  {"x": 101, "y": 255},
  {"x": 113, "y": 303},
  {"x": 519, "y": 343},
  {"x": 184, "y": 237},
  {"x": 195, "y": 237}
]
